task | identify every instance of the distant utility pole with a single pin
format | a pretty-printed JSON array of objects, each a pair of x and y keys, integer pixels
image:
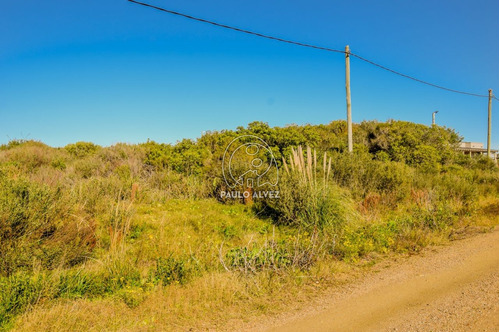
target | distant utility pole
[
  {"x": 348, "y": 98},
  {"x": 434, "y": 118},
  {"x": 489, "y": 121}
]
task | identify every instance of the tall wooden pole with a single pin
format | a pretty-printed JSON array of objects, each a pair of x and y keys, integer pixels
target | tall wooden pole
[
  {"x": 348, "y": 98},
  {"x": 489, "y": 122}
]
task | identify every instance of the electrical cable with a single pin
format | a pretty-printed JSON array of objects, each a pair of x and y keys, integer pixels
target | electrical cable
[{"x": 306, "y": 45}]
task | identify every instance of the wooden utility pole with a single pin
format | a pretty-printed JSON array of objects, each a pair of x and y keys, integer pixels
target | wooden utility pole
[
  {"x": 348, "y": 98},
  {"x": 489, "y": 122}
]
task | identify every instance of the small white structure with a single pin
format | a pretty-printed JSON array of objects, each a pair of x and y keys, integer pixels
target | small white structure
[
  {"x": 475, "y": 148},
  {"x": 471, "y": 145}
]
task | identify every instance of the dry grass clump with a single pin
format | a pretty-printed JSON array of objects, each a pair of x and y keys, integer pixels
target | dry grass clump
[
  {"x": 39, "y": 227},
  {"x": 308, "y": 197}
]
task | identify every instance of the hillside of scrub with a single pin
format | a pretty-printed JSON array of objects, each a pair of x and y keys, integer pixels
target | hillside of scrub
[{"x": 138, "y": 237}]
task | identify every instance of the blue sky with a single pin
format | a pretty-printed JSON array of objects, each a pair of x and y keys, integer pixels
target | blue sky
[{"x": 113, "y": 71}]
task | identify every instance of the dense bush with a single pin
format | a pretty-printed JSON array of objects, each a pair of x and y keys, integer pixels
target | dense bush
[
  {"x": 409, "y": 142},
  {"x": 81, "y": 149},
  {"x": 29, "y": 155},
  {"x": 37, "y": 227},
  {"x": 309, "y": 205},
  {"x": 184, "y": 157}
]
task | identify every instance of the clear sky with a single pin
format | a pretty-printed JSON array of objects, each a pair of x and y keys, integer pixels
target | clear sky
[{"x": 112, "y": 71}]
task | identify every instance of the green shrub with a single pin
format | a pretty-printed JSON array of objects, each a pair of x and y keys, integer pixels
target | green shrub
[
  {"x": 82, "y": 149},
  {"x": 411, "y": 143},
  {"x": 186, "y": 157},
  {"x": 426, "y": 157},
  {"x": 58, "y": 164},
  {"x": 157, "y": 155},
  {"x": 361, "y": 174},
  {"x": 18, "y": 292}
]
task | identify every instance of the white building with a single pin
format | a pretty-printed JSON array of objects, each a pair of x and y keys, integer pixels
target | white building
[{"x": 476, "y": 148}]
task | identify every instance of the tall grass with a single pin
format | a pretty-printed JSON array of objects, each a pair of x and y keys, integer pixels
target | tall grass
[
  {"x": 308, "y": 198},
  {"x": 40, "y": 228}
]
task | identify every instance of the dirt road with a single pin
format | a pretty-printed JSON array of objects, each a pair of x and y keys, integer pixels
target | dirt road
[{"x": 452, "y": 288}]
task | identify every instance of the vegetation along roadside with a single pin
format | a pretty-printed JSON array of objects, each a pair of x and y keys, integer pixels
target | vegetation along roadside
[{"x": 138, "y": 237}]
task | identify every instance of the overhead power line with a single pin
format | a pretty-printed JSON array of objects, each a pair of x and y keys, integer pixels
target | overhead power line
[
  {"x": 416, "y": 79},
  {"x": 236, "y": 29},
  {"x": 306, "y": 45}
]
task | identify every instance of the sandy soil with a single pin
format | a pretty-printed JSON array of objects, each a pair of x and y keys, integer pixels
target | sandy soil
[{"x": 450, "y": 288}]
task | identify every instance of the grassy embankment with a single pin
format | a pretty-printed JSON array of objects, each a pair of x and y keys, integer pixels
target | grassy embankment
[{"x": 135, "y": 237}]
